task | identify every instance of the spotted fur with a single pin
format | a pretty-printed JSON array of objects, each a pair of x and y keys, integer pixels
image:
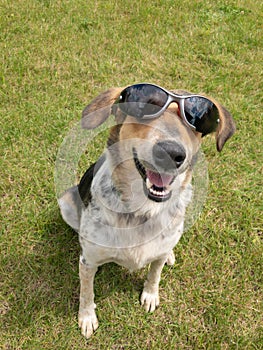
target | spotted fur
[{"x": 115, "y": 219}]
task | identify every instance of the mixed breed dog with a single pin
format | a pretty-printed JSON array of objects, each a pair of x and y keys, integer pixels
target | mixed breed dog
[{"x": 129, "y": 206}]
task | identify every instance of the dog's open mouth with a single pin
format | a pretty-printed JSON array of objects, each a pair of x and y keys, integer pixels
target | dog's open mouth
[{"x": 156, "y": 185}]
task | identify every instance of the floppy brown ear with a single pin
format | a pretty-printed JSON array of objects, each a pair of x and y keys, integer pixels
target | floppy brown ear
[
  {"x": 99, "y": 109},
  {"x": 226, "y": 126}
]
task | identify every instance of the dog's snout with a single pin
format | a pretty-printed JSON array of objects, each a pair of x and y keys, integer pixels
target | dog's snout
[{"x": 168, "y": 154}]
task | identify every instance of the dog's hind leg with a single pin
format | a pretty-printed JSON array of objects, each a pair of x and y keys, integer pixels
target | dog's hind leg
[
  {"x": 88, "y": 321},
  {"x": 170, "y": 259},
  {"x": 150, "y": 294},
  {"x": 70, "y": 206}
]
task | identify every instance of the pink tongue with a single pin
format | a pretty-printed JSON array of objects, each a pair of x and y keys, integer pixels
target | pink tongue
[{"x": 159, "y": 180}]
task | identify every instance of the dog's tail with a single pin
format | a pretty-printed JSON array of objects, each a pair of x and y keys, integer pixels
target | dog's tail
[{"x": 71, "y": 206}]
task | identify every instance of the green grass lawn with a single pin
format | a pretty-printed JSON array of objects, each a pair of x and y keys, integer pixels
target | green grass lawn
[{"x": 55, "y": 57}]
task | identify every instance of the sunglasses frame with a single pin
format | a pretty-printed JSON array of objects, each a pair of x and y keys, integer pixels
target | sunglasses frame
[{"x": 171, "y": 97}]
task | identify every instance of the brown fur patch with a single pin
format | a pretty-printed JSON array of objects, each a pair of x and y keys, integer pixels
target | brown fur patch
[
  {"x": 99, "y": 109},
  {"x": 114, "y": 135},
  {"x": 226, "y": 127},
  {"x": 168, "y": 126}
]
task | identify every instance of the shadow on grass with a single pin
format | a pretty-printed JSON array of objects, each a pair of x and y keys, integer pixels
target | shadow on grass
[{"x": 42, "y": 283}]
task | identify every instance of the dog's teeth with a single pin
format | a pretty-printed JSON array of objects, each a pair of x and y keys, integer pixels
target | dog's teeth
[
  {"x": 148, "y": 183},
  {"x": 156, "y": 193},
  {"x": 159, "y": 193},
  {"x": 165, "y": 193}
]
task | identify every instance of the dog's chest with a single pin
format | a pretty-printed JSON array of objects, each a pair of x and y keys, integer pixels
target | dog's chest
[
  {"x": 132, "y": 246},
  {"x": 131, "y": 234},
  {"x": 138, "y": 257}
]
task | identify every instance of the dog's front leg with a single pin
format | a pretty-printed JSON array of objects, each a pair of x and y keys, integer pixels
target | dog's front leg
[
  {"x": 150, "y": 294},
  {"x": 88, "y": 321}
]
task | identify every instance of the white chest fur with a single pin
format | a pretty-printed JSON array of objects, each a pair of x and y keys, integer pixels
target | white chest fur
[{"x": 110, "y": 232}]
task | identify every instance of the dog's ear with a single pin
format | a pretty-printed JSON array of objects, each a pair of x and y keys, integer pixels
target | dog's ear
[
  {"x": 99, "y": 109},
  {"x": 226, "y": 127}
]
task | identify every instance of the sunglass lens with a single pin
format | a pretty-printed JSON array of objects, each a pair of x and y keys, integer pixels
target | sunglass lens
[
  {"x": 142, "y": 100},
  {"x": 202, "y": 114}
]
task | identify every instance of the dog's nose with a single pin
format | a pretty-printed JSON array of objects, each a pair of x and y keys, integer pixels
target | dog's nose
[{"x": 168, "y": 154}]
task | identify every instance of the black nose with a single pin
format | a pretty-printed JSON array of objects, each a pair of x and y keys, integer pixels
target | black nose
[{"x": 168, "y": 154}]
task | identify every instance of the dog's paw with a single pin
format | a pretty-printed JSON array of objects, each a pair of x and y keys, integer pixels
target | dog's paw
[
  {"x": 150, "y": 301},
  {"x": 170, "y": 259},
  {"x": 88, "y": 323}
]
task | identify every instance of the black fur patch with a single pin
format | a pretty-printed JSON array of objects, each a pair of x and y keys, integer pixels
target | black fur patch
[{"x": 86, "y": 180}]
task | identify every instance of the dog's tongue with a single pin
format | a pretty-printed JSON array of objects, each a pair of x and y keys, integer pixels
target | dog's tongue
[{"x": 159, "y": 180}]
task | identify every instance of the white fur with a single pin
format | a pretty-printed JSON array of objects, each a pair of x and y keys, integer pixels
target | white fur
[
  {"x": 133, "y": 240},
  {"x": 121, "y": 224}
]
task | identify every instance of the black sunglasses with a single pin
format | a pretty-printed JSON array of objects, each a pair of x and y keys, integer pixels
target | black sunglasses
[{"x": 148, "y": 101}]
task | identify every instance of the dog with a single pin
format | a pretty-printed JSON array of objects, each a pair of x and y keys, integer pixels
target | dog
[{"x": 129, "y": 207}]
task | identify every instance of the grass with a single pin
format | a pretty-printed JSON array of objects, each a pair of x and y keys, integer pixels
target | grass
[{"x": 57, "y": 56}]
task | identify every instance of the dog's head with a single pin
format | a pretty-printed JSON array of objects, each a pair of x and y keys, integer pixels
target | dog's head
[{"x": 160, "y": 151}]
